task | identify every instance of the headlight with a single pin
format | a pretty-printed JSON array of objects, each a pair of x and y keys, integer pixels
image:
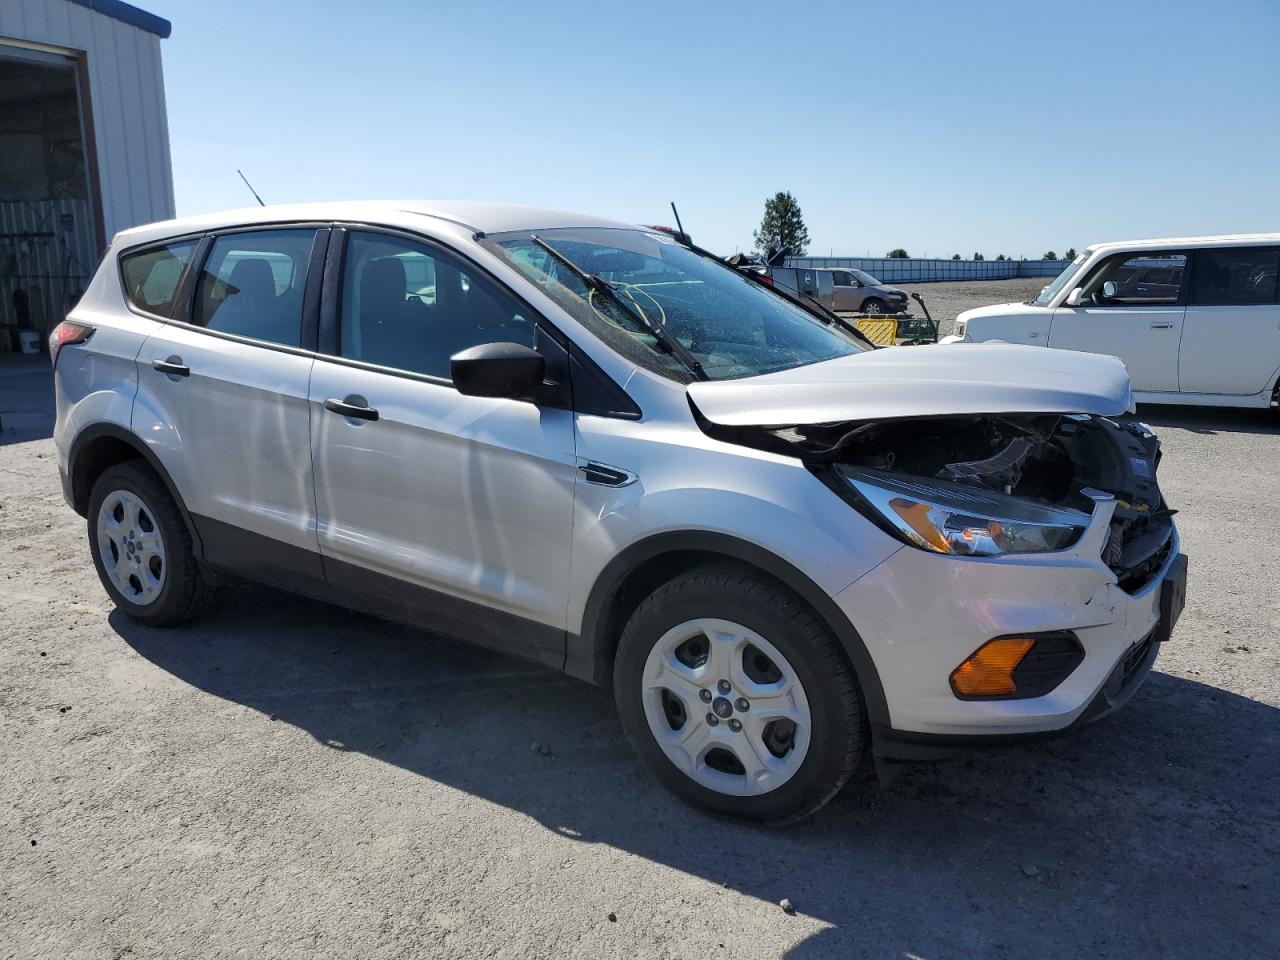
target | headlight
[{"x": 951, "y": 518}]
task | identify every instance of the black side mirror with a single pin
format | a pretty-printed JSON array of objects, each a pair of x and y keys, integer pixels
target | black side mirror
[{"x": 509, "y": 370}]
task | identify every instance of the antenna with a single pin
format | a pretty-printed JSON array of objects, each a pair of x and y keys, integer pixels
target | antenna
[
  {"x": 679, "y": 225},
  {"x": 250, "y": 186}
]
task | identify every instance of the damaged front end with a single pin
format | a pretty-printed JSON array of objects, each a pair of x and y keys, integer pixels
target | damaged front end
[{"x": 988, "y": 485}]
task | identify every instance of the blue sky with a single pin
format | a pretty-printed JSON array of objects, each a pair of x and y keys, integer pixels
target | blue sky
[{"x": 940, "y": 127}]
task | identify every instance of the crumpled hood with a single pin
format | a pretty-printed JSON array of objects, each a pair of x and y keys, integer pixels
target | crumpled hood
[{"x": 922, "y": 381}]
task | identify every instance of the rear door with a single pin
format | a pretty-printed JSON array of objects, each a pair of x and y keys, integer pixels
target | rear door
[
  {"x": 440, "y": 509},
  {"x": 222, "y": 401},
  {"x": 1231, "y": 334},
  {"x": 1140, "y": 321}
]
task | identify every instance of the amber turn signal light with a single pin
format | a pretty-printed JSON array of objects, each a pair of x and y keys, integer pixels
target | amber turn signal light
[{"x": 989, "y": 671}]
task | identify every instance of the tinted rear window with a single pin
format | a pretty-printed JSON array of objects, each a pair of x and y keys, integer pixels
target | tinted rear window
[
  {"x": 152, "y": 276},
  {"x": 251, "y": 285},
  {"x": 1235, "y": 277}
]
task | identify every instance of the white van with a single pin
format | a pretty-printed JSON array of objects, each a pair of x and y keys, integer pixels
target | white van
[{"x": 1196, "y": 320}]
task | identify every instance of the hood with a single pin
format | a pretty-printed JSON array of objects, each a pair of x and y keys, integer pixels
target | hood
[
  {"x": 924, "y": 381},
  {"x": 1000, "y": 310}
]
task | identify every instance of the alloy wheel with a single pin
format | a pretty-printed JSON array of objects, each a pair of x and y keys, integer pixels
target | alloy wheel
[
  {"x": 726, "y": 707},
  {"x": 131, "y": 547}
]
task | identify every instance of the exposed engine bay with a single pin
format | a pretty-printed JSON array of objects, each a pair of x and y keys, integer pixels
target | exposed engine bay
[{"x": 1049, "y": 459}]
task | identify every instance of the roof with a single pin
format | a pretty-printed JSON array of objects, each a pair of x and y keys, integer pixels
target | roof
[
  {"x": 127, "y": 13},
  {"x": 1226, "y": 239},
  {"x": 477, "y": 217}
]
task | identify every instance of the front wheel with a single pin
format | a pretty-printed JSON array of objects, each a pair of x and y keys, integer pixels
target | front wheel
[
  {"x": 737, "y": 697},
  {"x": 873, "y": 307}
]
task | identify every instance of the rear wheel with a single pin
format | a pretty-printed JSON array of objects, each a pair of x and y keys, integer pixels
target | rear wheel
[
  {"x": 141, "y": 547},
  {"x": 737, "y": 697}
]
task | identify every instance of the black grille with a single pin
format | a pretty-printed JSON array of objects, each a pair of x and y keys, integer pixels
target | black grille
[
  {"x": 1135, "y": 658},
  {"x": 1133, "y": 578},
  {"x": 1138, "y": 545}
]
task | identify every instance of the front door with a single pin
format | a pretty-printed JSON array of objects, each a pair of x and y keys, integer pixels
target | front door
[
  {"x": 448, "y": 511},
  {"x": 1131, "y": 308},
  {"x": 846, "y": 295}
]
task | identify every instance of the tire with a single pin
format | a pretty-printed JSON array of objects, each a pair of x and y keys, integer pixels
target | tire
[
  {"x": 873, "y": 307},
  {"x": 164, "y": 587},
  {"x": 721, "y": 602}
]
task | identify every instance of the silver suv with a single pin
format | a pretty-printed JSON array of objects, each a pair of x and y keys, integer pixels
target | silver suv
[{"x": 596, "y": 446}]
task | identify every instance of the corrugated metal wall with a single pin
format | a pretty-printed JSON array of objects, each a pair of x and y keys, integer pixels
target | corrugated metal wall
[
  {"x": 126, "y": 94},
  {"x": 46, "y": 256},
  {"x": 917, "y": 270}
]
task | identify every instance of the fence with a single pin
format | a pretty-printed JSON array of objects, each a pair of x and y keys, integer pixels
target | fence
[{"x": 915, "y": 270}]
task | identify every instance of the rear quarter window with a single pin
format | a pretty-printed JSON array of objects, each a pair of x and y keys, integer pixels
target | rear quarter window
[{"x": 152, "y": 277}]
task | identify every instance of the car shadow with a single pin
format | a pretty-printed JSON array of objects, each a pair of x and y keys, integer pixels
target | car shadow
[
  {"x": 1156, "y": 831},
  {"x": 1209, "y": 420}
]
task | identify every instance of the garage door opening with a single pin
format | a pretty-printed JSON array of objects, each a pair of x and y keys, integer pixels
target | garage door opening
[{"x": 49, "y": 235}]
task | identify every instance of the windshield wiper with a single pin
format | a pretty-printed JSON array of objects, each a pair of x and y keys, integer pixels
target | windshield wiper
[
  {"x": 814, "y": 307},
  {"x": 666, "y": 340},
  {"x": 825, "y": 313}
]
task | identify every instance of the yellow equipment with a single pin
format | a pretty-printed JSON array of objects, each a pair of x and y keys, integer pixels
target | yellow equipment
[{"x": 882, "y": 331}]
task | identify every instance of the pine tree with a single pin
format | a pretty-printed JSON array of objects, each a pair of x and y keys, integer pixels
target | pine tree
[{"x": 782, "y": 226}]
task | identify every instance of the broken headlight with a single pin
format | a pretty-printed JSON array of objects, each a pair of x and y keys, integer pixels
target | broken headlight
[{"x": 952, "y": 518}]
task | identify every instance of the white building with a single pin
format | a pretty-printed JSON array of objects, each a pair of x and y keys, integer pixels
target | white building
[{"x": 84, "y": 147}]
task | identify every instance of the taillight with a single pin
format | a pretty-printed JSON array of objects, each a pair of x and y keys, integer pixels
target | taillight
[
  {"x": 68, "y": 331},
  {"x": 766, "y": 279}
]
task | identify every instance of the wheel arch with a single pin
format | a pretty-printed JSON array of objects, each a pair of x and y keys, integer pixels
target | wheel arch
[
  {"x": 640, "y": 568},
  {"x": 103, "y": 445}
]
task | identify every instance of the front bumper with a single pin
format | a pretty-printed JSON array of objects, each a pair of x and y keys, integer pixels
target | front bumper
[{"x": 921, "y": 614}]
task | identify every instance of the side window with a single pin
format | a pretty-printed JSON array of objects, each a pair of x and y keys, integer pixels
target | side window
[
  {"x": 152, "y": 277},
  {"x": 840, "y": 278},
  {"x": 1136, "y": 280},
  {"x": 1235, "y": 277},
  {"x": 409, "y": 306},
  {"x": 252, "y": 285}
]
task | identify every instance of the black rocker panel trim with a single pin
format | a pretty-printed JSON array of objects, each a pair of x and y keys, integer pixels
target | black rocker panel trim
[
  {"x": 269, "y": 561},
  {"x": 260, "y": 558}
]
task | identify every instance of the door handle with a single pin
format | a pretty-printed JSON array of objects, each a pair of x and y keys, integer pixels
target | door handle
[
  {"x": 172, "y": 367},
  {"x": 353, "y": 406},
  {"x": 1162, "y": 326}
]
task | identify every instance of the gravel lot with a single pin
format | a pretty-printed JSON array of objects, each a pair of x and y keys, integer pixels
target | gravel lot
[
  {"x": 946, "y": 300},
  {"x": 288, "y": 779}
]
